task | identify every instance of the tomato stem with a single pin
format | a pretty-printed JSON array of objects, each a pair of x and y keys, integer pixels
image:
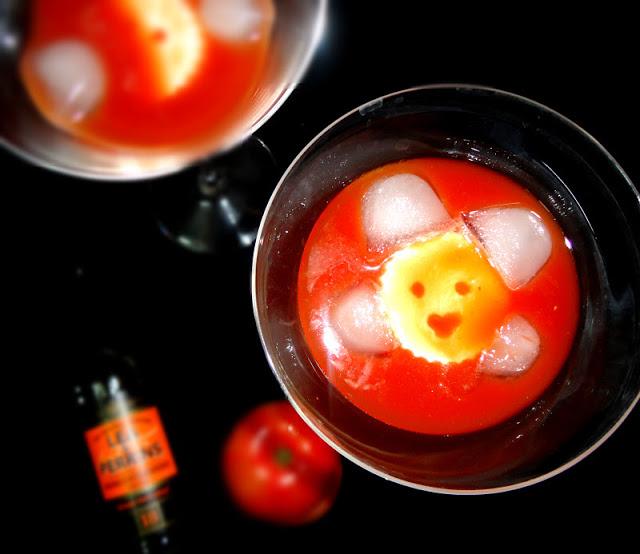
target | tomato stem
[{"x": 283, "y": 456}]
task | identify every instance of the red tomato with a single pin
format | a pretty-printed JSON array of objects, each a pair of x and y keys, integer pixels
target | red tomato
[{"x": 279, "y": 470}]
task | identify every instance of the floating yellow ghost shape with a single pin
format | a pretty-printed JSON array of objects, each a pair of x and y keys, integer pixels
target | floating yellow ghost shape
[
  {"x": 443, "y": 298},
  {"x": 175, "y": 39}
]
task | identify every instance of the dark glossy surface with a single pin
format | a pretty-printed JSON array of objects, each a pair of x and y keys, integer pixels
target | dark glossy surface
[{"x": 189, "y": 319}]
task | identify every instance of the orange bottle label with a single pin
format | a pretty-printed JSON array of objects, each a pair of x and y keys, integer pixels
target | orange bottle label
[{"x": 131, "y": 454}]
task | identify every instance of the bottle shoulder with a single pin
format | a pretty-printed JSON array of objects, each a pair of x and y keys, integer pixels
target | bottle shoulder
[{"x": 108, "y": 385}]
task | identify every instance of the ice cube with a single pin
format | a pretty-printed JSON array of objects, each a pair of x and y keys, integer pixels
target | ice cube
[
  {"x": 516, "y": 240},
  {"x": 400, "y": 207},
  {"x": 237, "y": 20},
  {"x": 360, "y": 321},
  {"x": 514, "y": 349},
  {"x": 73, "y": 76}
]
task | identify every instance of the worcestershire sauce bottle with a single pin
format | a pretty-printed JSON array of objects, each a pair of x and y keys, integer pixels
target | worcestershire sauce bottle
[{"x": 128, "y": 446}]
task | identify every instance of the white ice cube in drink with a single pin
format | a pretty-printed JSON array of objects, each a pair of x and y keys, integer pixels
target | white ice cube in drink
[
  {"x": 237, "y": 20},
  {"x": 73, "y": 77},
  {"x": 516, "y": 240},
  {"x": 360, "y": 321},
  {"x": 400, "y": 207},
  {"x": 514, "y": 349}
]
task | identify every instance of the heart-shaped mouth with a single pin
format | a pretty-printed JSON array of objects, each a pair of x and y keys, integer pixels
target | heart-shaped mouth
[
  {"x": 443, "y": 299},
  {"x": 444, "y": 325}
]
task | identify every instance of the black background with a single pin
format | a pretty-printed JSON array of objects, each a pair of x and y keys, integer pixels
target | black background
[{"x": 188, "y": 318}]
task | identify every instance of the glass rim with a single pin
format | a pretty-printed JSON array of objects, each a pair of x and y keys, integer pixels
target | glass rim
[{"x": 363, "y": 109}]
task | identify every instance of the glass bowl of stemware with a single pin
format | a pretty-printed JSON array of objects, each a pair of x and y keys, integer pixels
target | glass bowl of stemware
[
  {"x": 297, "y": 31},
  {"x": 586, "y": 191}
]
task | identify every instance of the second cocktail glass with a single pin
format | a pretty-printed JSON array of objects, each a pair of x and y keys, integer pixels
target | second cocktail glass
[{"x": 296, "y": 32}]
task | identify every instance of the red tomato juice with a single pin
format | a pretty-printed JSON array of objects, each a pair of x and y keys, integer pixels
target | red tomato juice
[
  {"x": 132, "y": 113},
  {"x": 407, "y": 391}
]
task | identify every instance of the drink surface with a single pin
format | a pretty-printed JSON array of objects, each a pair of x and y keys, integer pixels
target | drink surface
[
  {"x": 145, "y": 73},
  {"x": 438, "y": 296}
]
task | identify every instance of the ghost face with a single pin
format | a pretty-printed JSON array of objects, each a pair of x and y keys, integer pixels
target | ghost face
[
  {"x": 444, "y": 292},
  {"x": 443, "y": 298}
]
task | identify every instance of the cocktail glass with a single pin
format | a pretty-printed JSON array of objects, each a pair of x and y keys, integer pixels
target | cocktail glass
[
  {"x": 296, "y": 34},
  {"x": 580, "y": 184}
]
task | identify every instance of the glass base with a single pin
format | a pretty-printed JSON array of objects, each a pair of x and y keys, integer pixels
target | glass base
[{"x": 217, "y": 206}]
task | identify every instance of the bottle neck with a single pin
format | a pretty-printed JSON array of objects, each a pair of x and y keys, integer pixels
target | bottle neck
[
  {"x": 110, "y": 387},
  {"x": 111, "y": 400}
]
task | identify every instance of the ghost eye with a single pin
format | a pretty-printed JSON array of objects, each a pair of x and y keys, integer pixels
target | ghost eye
[
  {"x": 417, "y": 289},
  {"x": 462, "y": 288}
]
